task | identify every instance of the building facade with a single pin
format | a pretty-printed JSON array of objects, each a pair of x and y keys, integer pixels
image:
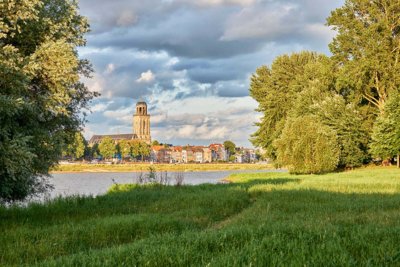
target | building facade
[
  {"x": 141, "y": 128},
  {"x": 141, "y": 122}
]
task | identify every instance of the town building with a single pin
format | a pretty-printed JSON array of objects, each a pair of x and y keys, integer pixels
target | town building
[{"x": 141, "y": 128}]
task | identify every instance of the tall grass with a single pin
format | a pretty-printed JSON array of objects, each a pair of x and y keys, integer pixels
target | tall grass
[{"x": 341, "y": 219}]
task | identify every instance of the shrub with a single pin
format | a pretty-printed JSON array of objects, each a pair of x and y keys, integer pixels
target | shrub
[{"x": 307, "y": 146}]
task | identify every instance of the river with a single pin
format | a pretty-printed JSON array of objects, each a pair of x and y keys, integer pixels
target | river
[{"x": 67, "y": 184}]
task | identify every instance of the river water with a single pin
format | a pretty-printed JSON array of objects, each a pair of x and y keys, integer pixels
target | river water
[{"x": 67, "y": 184}]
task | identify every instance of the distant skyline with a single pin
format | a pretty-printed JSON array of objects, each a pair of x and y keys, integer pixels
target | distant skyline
[{"x": 191, "y": 61}]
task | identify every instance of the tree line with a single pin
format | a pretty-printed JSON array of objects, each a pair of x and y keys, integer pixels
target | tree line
[
  {"x": 321, "y": 113},
  {"x": 106, "y": 149}
]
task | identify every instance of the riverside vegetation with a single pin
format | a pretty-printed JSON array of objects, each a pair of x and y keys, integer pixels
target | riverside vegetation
[{"x": 339, "y": 219}]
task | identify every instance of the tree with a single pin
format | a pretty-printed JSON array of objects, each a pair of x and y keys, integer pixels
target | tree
[
  {"x": 155, "y": 143},
  {"x": 144, "y": 150},
  {"x": 275, "y": 89},
  {"x": 41, "y": 96},
  {"x": 127, "y": 148},
  {"x": 76, "y": 149},
  {"x": 307, "y": 146},
  {"x": 345, "y": 119},
  {"x": 136, "y": 149},
  {"x": 230, "y": 147},
  {"x": 386, "y": 132},
  {"x": 94, "y": 151},
  {"x": 367, "y": 47},
  {"x": 107, "y": 148},
  {"x": 349, "y": 125}
]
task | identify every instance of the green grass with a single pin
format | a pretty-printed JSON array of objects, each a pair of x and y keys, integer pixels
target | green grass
[
  {"x": 264, "y": 219},
  {"x": 159, "y": 167}
]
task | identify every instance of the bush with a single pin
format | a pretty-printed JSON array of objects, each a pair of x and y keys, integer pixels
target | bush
[{"x": 307, "y": 147}]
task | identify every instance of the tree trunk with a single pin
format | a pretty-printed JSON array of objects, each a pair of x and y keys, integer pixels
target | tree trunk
[{"x": 398, "y": 160}]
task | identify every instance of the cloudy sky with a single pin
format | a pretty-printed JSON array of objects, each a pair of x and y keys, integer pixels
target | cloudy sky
[{"x": 191, "y": 60}]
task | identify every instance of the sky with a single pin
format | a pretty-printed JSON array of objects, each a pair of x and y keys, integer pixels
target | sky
[{"x": 191, "y": 61}]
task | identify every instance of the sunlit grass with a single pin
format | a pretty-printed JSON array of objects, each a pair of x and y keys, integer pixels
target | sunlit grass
[
  {"x": 263, "y": 219},
  {"x": 159, "y": 167}
]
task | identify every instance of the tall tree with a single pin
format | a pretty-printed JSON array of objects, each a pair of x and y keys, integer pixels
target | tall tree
[
  {"x": 136, "y": 149},
  {"x": 386, "y": 133},
  {"x": 367, "y": 47},
  {"x": 230, "y": 147},
  {"x": 275, "y": 88},
  {"x": 107, "y": 148},
  {"x": 307, "y": 146},
  {"x": 41, "y": 96},
  {"x": 76, "y": 148},
  {"x": 125, "y": 148},
  {"x": 144, "y": 150}
]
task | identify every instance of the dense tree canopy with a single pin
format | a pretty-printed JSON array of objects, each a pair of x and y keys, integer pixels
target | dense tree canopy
[
  {"x": 107, "y": 148},
  {"x": 367, "y": 47},
  {"x": 344, "y": 95},
  {"x": 386, "y": 133},
  {"x": 41, "y": 96},
  {"x": 77, "y": 146},
  {"x": 277, "y": 88},
  {"x": 307, "y": 146}
]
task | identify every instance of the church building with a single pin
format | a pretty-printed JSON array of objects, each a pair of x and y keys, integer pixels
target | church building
[{"x": 141, "y": 128}]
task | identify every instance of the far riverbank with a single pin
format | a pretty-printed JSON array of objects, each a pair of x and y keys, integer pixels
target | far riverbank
[{"x": 144, "y": 167}]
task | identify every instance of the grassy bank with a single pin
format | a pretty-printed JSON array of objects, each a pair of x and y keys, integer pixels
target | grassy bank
[
  {"x": 159, "y": 167},
  {"x": 266, "y": 219}
]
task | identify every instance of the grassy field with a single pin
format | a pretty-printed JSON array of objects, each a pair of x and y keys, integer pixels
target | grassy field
[
  {"x": 159, "y": 167},
  {"x": 265, "y": 219}
]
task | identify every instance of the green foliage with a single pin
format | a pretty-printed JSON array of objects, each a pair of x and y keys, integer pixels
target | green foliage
[
  {"x": 348, "y": 218},
  {"x": 107, "y": 148},
  {"x": 77, "y": 147},
  {"x": 125, "y": 148},
  {"x": 144, "y": 150},
  {"x": 41, "y": 96},
  {"x": 345, "y": 92},
  {"x": 347, "y": 122},
  {"x": 307, "y": 146},
  {"x": 386, "y": 133},
  {"x": 276, "y": 89},
  {"x": 155, "y": 143},
  {"x": 93, "y": 151},
  {"x": 230, "y": 147},
  {"x": 367, "y": 47},
  {"x": 232, "y": 158}
]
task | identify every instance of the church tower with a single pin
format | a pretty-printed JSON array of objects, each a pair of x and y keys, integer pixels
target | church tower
[{"x": 141, "y": 123}]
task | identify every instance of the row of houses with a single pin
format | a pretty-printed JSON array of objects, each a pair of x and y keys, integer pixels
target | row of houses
[
  {"x": 245, "y": 155},
  {"x": 198, "y": 154},
  {"x": 188, "y": 154}
]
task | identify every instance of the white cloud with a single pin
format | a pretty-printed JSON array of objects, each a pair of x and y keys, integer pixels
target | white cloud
[
  {"x": 109, "y": 69},
  {"x": 126, "y": 18},
  {"x": 210, "y": 3},
  {"x": 146, "y": 77},
  {"x": 95, "y": 84},
  {"x": 100, "y": 107},
  {"x": 123, "y": 115},
  {"x": 205, "y": 119},
  {"x": 319, "y": 30}
]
